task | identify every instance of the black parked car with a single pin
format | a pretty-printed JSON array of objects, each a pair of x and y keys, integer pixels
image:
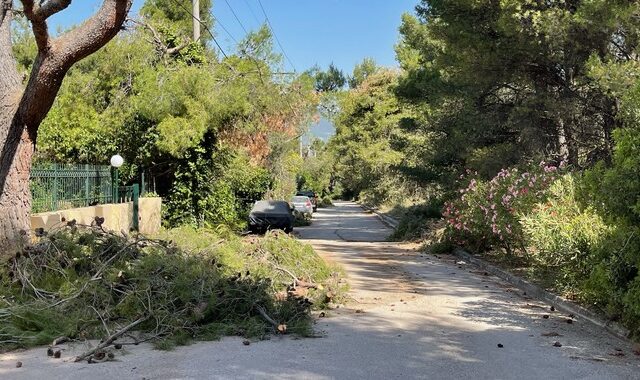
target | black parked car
[{"x": 270, "y": 215}]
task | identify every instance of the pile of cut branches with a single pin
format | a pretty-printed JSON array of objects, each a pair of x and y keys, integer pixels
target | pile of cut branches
[{"x": 85, "y": 283}]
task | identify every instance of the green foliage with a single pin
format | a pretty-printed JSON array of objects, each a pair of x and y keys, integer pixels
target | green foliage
[
  {"x": 212, "y": 136},
  {"x": 325, "y": 202},
  {"x": 487, "y": 214},
  {"x": 177, "y": 15},
  {"x": 205, "y": 285},
  {"x": 361, "y": 71},
  {"x": 215, "y": 187},
  {"x": 315, "y": 173},
  {"x": 417, "y": 220},
  {"x": 498, "y": 84},
  {"x": 561, "y": 235},
  {"x": 616, "y": 189},
  {"x": 370, "y": 146},
  {"x": 331, "y": 80}
]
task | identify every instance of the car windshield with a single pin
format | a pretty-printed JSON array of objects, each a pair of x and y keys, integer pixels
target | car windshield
[{"x": 300, "y": 199}]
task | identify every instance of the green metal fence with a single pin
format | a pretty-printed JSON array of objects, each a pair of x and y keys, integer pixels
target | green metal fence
[
  {"x": 127, "y": 194},
  {"x": 62, "y": 186}
]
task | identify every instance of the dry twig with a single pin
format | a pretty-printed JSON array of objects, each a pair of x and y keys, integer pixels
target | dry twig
[{"x": 107, "y": 342}]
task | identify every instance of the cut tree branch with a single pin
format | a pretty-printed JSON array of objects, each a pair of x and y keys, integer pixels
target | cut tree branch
[
  {"x": 158, "y": 40},
  {"x": 107, "y": 342}
]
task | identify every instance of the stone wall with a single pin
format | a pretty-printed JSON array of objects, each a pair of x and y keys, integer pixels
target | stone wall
[{"x": 117, "y": 217}]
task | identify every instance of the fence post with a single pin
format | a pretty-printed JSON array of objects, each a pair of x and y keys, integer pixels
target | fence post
[
  {"x": 87, "y": 201},
  {"x": 136, "y": 206},
  {"x": 142, "y": 184},
  {"x": 114, "y": 184},
  {"x": 54, "y": 199}
]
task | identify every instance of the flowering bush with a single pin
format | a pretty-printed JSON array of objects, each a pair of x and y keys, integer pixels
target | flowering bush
[{"x": 487, "y": 213}]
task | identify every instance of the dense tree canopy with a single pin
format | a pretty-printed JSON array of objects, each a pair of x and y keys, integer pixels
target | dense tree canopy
[
  {"x": 185, "y": 118},
  {"x": 507, "y": 81}
]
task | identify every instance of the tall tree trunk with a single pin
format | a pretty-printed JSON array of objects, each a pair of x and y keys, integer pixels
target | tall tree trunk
[
  {"x": 15, "y": 195},
  {"x": 567, "y": 149},
  {"x": 22, "y": 108},
  {"x": 16, "y": 146}
]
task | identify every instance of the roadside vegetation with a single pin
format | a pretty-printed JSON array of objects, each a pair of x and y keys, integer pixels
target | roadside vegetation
[
  {"x": 189, "y": 284},
  {"x": 511, "y": 130},
  {"x": 212, "y": 132}
]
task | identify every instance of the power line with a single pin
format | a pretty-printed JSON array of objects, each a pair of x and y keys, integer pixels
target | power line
[
  {"x": 274, "y": 35},
  {"x": 252, "y": 12},
  {"x": 236, "y": 16},
  {"x": 225, "y": 29},
  {"x": 203, "y": 24}
]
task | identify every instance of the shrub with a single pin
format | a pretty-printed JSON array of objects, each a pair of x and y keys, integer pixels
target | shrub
[
  {"x": 612, "y": 282},
  {"x": 559, "y": 234},
  {"x": 303, "y": 219},
  {"x": 486, "y": 214},
  {"x": 325, "y": 202},
  {"x": 414, "y": 221}
]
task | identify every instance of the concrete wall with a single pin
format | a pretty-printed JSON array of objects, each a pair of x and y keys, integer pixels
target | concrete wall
[
  {"x": 117, "y": 217},
  {"x": 149, "y": 215}
]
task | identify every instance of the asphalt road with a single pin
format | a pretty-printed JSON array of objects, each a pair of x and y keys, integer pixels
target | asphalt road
[{"x": 411, "y": 316}]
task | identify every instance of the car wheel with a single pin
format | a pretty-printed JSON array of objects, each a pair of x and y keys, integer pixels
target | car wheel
[{"x": 288, "y": 229}]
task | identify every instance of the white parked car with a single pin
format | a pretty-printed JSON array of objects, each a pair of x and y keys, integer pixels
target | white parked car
[{"x": 302, "y": 204}]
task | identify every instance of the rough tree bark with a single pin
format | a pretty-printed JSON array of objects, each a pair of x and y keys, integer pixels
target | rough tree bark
[{"x": 23, "y": 107}]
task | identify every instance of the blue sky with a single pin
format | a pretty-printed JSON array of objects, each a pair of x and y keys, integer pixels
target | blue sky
[{"x": 311, "y": 31}]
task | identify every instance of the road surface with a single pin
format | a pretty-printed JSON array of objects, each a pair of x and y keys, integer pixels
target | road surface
[{"x": 412, "y": 316}]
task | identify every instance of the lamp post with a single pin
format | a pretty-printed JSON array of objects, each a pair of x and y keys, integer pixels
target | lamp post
[{"x": 116, "y": 162}]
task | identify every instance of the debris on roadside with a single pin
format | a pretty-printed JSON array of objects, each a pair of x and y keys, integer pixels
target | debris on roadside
[{"x": 195, "y": 284}]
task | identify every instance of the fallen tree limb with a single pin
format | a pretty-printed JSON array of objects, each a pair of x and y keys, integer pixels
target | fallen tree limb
[
  {"x": 285, "y": 270},
  {"x": 280, "y": 327},
  {"x": 60, "y": 340},
  {"x": 266, "y": 316},
  {"x": 309, "y": 285},
  {"x": 110, "y": 339}
]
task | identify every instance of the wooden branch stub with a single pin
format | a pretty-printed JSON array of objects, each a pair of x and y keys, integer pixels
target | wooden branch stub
[{"x": 107, "y": 342}]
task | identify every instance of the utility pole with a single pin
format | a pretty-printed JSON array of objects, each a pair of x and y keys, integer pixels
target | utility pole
[{"x": 196, "y": 20}]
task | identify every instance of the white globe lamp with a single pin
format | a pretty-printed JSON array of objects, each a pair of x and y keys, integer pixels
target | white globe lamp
[{"x": 117, "y": 161}]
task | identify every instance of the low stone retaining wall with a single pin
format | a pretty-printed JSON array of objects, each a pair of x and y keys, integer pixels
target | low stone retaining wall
[{"x": 117, "y": 217}]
